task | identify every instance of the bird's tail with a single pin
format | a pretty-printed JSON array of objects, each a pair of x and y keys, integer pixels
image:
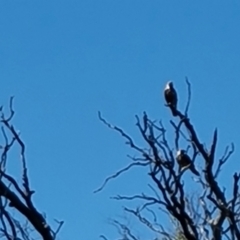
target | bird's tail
[
  {"x": 174, "y": 111},
  {"x": 194, "y": 170}
]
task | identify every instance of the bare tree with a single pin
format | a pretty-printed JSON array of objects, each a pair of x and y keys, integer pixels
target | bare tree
[
  {"x": 210, "y": 215},
  {"x": 19, "y": 217}
]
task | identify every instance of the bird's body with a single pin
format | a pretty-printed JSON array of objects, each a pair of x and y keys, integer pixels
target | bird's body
[
  {"x": 170, "y": 95},
  {"x": 184, "y": 161}
]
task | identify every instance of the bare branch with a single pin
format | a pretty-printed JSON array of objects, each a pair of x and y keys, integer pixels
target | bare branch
[
  {"x": 213, "y": 147},
  {"x": 224, "y": 159},
  {"x": 60, "y": 224},
  {"x": 120, "y": 172},
  {"x": 11, "y": 192},
  {"x": 129, "y": 139},
  {"x": 189, "y": 96}
]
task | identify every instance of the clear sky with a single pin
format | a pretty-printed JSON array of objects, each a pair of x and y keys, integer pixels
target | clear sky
[{"x": 65, "y": 60}]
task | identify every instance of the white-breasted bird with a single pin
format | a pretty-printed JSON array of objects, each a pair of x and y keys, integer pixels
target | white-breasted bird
[
  {"x": 184, "y": 161},
  {"x": 170, "y": 95}
]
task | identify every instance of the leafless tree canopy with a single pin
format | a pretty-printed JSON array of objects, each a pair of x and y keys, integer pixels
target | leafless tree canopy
[
  {"x": 212, "y": 215},
  {"x": 19, "y": 217}
]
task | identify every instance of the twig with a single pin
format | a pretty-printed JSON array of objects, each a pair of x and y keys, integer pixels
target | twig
[
  {"x": 118, "y": 173},
  {"x": 189, "y": 96}
]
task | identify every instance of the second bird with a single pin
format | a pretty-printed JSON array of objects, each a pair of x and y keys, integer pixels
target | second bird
[{"x": 184, "y": 160}]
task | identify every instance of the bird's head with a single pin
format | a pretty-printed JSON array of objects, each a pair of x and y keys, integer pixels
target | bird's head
[
  {"x": 180, "y": 152},
  {"x": 169, "y": 85}
]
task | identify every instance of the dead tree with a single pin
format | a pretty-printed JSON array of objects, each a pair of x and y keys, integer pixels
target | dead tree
[
  {"x": 17, "y": 197},
  {"x": 213, "y": 215}
]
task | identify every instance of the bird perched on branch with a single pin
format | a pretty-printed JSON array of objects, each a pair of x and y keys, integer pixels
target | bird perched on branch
[
  {"x": 184, "y": 161},
  {"x": 170, "y": 95}
]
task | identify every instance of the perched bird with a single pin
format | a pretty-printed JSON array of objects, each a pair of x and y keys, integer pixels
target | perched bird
[
  {"x": 184, "y": 161},
  {"x": 170, "y": 95}
]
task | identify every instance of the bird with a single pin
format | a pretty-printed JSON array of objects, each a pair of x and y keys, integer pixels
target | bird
[
  {"x": 184, "y": 161},
  {"x": 170, "y": 95}
]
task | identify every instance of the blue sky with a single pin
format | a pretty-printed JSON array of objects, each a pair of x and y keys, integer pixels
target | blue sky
[{"x": 65, "y": 60}]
